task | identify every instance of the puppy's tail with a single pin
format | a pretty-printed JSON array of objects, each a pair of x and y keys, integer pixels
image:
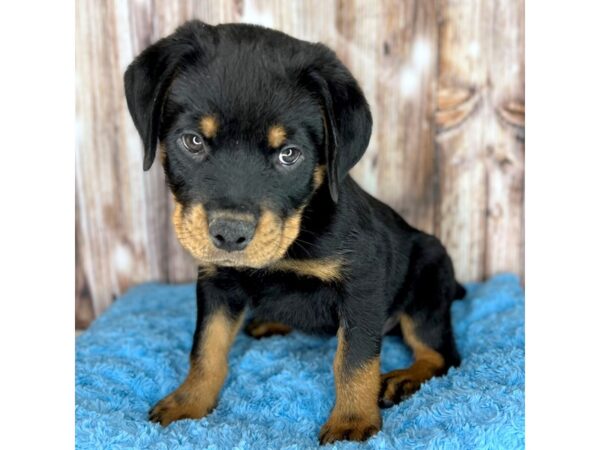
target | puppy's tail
[{"x": 459, "y": 291}]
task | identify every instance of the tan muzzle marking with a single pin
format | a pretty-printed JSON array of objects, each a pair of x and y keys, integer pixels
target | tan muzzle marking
[{"x": 271, "y": 240}]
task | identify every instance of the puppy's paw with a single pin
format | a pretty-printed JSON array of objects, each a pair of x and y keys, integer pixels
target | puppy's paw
[
  {"x": 350, "y": 428},
  {"x": 258, "y": 329},
  {"x": 176, "y": 406},
  {"x": 397, "y": 386}
]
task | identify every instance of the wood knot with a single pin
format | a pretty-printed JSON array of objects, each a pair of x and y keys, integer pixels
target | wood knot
[
  {"x": 454, "y": 105},
  {"x": 513, "y": 113}
]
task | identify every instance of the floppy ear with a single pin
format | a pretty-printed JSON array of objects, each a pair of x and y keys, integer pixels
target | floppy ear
[
  {"x": 347, "y": 117},
  {"x": 148, "y": 77}
]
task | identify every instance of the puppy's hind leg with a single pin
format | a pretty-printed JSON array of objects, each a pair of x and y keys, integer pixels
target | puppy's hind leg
[
  {"x": 428, "y": 363},
  {"x": 426, "y": 329}
]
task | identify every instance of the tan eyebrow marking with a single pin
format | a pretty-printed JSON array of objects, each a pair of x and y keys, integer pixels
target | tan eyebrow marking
[
  {"x": 276, "y": 136},
  {"x": 209, "y": 126}
]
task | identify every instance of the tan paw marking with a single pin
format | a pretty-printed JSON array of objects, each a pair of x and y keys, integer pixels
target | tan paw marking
[
  {"x": 349, "y": 429},
  {"x": 398, "y": 385},
  {"x": 179, "y": 405}
]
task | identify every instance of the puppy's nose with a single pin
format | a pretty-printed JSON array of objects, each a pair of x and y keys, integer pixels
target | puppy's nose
[{"x": 231, "y": 234}]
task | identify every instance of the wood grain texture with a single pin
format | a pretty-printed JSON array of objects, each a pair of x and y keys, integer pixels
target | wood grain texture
[
  {"x": 445, "y": 81},
  {"x": 461, "y": 124},
  {"x": 480, "y": 153},
  {"x": 403, "y": 149},
  {"x": 505, "y": 146}
]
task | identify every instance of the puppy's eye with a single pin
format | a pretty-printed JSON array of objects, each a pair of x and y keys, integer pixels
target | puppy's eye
[
  {"x": 289, "y": 155},
  {"x": 192, "y": 143}
]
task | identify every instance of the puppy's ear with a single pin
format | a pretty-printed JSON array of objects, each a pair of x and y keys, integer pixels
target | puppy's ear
[
  {"x": 148, "y": 77},
  {"x": 347, "y": 117}
]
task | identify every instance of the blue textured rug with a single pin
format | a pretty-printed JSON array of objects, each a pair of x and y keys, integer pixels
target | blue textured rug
[{"x": 280, "y": 390}]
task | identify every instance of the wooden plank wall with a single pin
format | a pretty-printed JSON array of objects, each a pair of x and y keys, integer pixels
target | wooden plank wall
[{"x": 445, "y": 80}]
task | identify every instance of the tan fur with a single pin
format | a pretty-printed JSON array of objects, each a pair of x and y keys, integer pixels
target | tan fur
[
  {"x": 209, "y": 126},
  {"x": 197, "y": 395},
  {"x": 427, "y": 364},
  {"x": 326, "y": 269},
  {"x": 421, "y": 351},
  {"x": 276, "y": 136},
  {"x": 206, "y": 272},
  {"x": 191, "y": 228},
  {"x": 162, "y": 151},
  {"x": 289, "y": 233},
  {"x": 259, "y": 329},
  {"x": 356, "y": 413},
  {"x": 318, "y": 176},
  {"x": 271, "y": 240}
]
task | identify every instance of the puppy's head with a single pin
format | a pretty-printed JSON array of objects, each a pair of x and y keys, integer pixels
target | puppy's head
[{"x": 250, "y": 122}]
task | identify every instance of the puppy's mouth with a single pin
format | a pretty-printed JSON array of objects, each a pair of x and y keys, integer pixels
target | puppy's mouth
[{"x": 271, "y": 239}]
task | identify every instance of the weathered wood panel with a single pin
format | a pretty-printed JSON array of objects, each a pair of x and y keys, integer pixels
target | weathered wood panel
[
  {"x": 445, "y": 80},
  {"x": 461, "y": 217},
  {"x": 505, "y": 145},
  {"x": 405, "y": 73},
  {"x": 480, "y": 135}
]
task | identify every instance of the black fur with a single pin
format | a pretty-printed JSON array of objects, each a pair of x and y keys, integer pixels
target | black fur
[{"x": 250, "y": 78}]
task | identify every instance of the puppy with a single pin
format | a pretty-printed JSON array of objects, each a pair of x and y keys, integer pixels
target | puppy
[{"x": 257, "y": 134}]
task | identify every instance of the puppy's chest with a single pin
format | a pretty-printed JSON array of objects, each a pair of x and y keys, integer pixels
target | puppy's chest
[{"x": 303, "y": 302}]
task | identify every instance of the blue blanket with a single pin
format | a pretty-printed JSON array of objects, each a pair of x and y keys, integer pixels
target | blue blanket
[{"x": 280, "y": 390}]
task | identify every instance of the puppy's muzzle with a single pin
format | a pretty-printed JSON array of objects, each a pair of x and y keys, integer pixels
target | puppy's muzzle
[{"x": 231, "y": 234}]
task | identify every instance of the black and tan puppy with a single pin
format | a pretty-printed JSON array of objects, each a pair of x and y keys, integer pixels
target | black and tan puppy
[{"x": 257, "y": 134}]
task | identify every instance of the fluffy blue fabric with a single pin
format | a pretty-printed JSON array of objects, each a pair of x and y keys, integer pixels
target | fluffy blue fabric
[{"x": 280, "y": 390}]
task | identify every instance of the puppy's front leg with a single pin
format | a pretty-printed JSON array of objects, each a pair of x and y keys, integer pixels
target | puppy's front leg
[
  {"x": 356, "y": 415},
  {"x": 220, "y": 314}
]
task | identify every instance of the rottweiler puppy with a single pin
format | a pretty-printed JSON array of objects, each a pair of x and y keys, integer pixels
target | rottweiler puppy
[{"x": 257, "y": 132}]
